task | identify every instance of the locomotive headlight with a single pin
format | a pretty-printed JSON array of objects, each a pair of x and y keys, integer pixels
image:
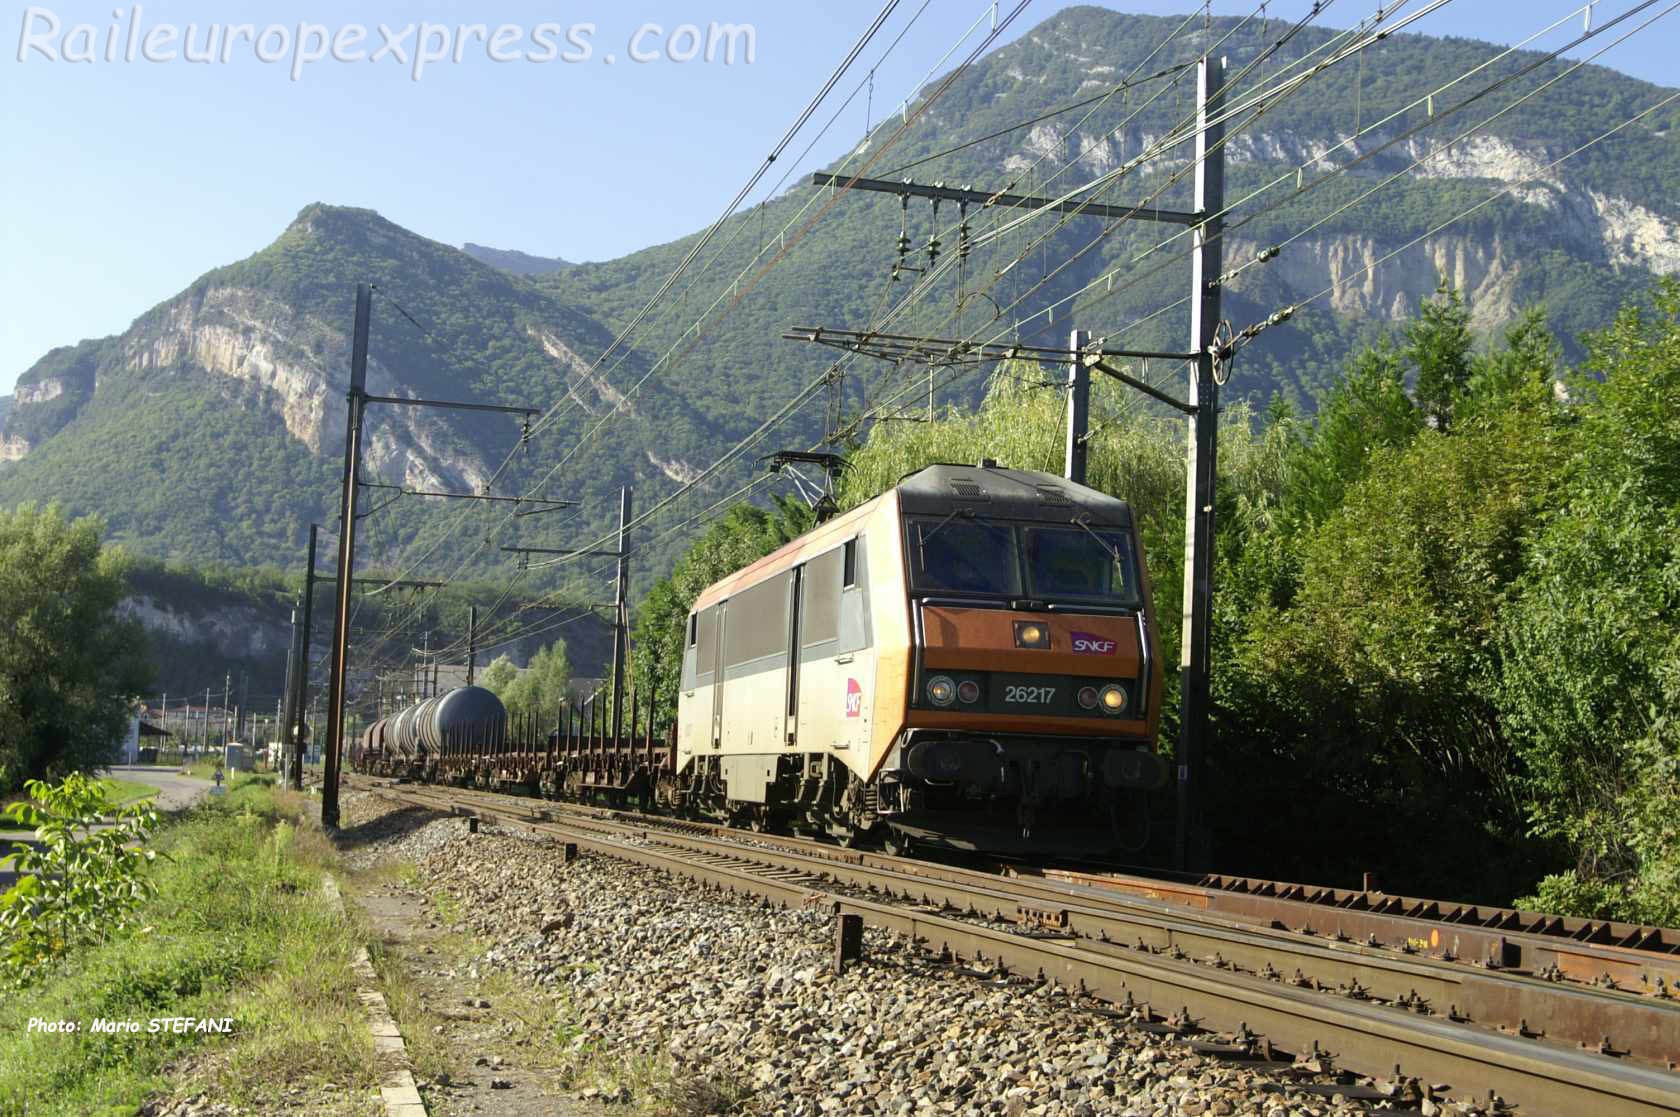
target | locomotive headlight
[
  {"x": 968, "y": 691},
  {"x": 1113, "y": 698},
  {"x": 1029, "y": 634},
  {"x": 1088, "y": 697},
  {"x": 941, "y": 691}
]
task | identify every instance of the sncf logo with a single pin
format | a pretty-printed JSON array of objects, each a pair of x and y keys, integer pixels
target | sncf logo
[
  {"x": 1085, "y": 643},
  {"x": 854, "y": 699}
]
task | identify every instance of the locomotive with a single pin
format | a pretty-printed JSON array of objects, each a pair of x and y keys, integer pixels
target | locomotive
[{"x": 969, "y": 660}]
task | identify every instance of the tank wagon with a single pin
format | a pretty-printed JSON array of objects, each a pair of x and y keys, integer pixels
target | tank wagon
[
  {"x": 969, "y": 660},
  {"x": 411, "y": 743}
]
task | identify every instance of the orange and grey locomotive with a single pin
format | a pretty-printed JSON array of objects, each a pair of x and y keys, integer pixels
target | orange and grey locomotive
[{"x": 967, "y": 660}]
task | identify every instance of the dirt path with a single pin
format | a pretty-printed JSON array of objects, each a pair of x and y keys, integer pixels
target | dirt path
[{"x": 478, "y": 1045}]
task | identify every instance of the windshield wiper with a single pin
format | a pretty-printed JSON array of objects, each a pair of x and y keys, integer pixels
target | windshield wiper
[
  {"x": 922, "y": 537},
  {"x": 1113, "y": 551},
  {"x": 940, "y": 526}
]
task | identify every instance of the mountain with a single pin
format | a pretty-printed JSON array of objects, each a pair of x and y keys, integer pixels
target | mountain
[
  {"x": 512, "y": 260},
  {"x": 211, "y": 429}
]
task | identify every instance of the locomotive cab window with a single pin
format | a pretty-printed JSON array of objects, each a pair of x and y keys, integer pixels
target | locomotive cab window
[
  {"x": 1073, "y": 562},
  {"x": 693, "y": 628},
  {"x": 849, "y": 565},
  {"x": 956, "y": 555}
]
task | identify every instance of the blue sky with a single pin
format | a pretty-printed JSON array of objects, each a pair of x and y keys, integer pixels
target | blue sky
[{"x": 126, "y": 180}]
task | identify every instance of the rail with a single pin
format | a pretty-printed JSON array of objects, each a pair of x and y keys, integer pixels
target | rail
[{"x": 1567, "y": 1048}]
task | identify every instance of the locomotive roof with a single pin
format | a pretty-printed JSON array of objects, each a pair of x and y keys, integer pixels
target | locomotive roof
[
  {"x": 1010, "y": 494},
  {"x": 937, "y": 490}
]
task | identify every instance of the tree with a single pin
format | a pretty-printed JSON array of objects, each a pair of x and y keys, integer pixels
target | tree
[
  {"x": 1438, "y": 346},
  {"x": 1591, "y": 647},
  {"x": 1366, "y": 412},
  {"x": 536, "y": 692},
  {"x": 77, "y": 883},
  {"x": 69, "y": 664},
  {"x": 1529, "y": 356},
  {"x": 499, "y": 676}
]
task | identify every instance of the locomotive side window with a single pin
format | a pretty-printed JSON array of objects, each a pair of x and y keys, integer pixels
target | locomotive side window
[
  {"x": 706, "y": 640},
  {"x": 1073, "y": 562},
  {"x": 820, "y": 608},
  {"x": 693, "y": 628},
  {"x": 849, "y": 566},
  {"x": 964, "y": 556},
  {"x": 758, "y": 622}
]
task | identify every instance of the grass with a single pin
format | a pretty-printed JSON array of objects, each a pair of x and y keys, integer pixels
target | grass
[
  {"x": 125, "y": 791},
  {"x": 239, "y": 928},
  {"x": 203, "y": 769}
]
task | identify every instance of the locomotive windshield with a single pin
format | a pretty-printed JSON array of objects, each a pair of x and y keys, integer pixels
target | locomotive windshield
[
  {"x": 965, "y": 556},
  {"x": 1064, "y": 562},
  {"x": 1074, "y": 563}
]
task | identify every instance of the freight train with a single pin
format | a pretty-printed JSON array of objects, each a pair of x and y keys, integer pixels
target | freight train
[{"x": 969, "y": 660}]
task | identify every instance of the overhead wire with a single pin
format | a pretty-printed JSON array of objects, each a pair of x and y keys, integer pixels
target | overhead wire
[
  {"x": 1174, "y": 136},
  {"x": 621, "y": 336},
  {"x": 550, "y": 473},
  {"x": 921, "y": 108}
]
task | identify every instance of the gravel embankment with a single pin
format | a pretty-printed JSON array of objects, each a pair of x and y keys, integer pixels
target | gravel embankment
[{"x": 734, "y": 991}]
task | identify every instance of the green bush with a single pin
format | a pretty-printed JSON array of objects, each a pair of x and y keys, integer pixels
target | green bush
[{"x": 78, "y": 884}]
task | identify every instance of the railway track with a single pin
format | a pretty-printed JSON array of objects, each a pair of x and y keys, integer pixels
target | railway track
[{"x": 1409, "y": 1025}]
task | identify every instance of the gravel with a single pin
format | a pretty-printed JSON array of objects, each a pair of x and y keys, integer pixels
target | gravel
[{"x": 734, "y": 990}]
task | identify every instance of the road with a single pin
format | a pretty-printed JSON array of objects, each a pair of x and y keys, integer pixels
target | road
[{"x": 175, "y": 792}]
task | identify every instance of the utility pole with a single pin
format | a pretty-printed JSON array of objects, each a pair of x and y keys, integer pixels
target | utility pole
[
  {"x": 283, "y": 707},
  {"x": 299, "y": 694},
  {"x": 357, "y": 397},
  {"x": 472, "y": 643},
  {"x": 227, "y": 695},
  {"x": 1079, "y": 409},
  {"x": 206, "y": 721},
  {"x": 1205, "y": 354},
  {"x": 621, "y": 618},
  {"x": 1206, "y": 264}
]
